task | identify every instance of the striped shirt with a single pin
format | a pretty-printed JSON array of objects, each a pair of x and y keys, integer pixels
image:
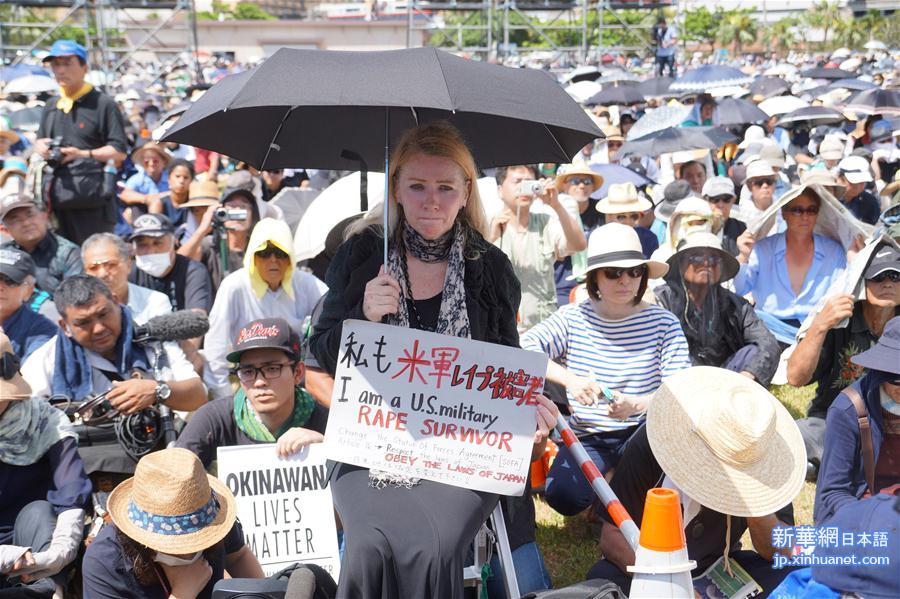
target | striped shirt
[{"x": 630, "y": 356}]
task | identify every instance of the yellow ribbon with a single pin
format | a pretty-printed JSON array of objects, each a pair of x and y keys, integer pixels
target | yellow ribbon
[{"x": 67, "y": 102}]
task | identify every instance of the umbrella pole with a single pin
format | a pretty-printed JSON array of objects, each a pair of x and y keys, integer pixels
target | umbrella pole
[{"x": 387, "y": 159}]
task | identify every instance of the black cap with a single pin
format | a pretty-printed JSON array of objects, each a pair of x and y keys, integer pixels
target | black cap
[
  {"x": 151, "y": 225},
  {"x": 269, "y": 333},
  {"x": 886, "y": 258},
  {"x": 16, "y": 264},
  {"x": 231, "y": 192}
]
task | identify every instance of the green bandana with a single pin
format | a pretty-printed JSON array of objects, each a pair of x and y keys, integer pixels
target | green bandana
[{"x": 248, "y": 421}]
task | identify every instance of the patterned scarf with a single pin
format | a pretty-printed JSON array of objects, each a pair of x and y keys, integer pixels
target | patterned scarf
[
  {"x": 29, "y": 428},
  {"x": 67, "y": 102},
  {"x": 248, "y": 420}
]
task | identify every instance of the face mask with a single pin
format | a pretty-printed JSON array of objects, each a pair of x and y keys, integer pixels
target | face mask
[
  {"x": 171, "y": 560},
  {"x": 154, "y": 265}
]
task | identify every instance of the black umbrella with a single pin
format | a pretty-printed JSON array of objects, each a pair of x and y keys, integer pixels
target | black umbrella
[
  {"x": 734, "y": 111},
  {"x": 26, "y": 119},
  {"x": 619, "y": 94},
  {"x": 655, "y": 87},
  {"x": 310, "y": 107},
  {"x": 814, "y": 115},
  {"x": 675, "y": 139},
  {"x": 854, "y": 84},
  {"x": 827, "y": 73},
  {"x": 769, "y": 86},
  {"x": 876, "y": 101}
]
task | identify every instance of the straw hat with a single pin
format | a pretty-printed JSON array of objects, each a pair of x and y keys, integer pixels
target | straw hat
[
  {"x": 726, "y": 442},
  {"x": 151, "y": 146},
  {"x": 172, "y": 505},
  {"x": 823, "y": 177},
  {"x": 621, "y": 198},
  {"x": 13, "y": 387},
  {"x": 618, "y": 246},
  {"x": 202, "y": 194},
  {"x": 613, "y": 133},
  {"x": 706, "y": 241},
  {"x": 569, "y": 170}
]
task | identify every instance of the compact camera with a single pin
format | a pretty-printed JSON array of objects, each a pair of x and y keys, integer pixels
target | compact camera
[{"x": 530, "y": 187}]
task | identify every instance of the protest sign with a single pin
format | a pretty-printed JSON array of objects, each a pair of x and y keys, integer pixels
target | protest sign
[
  {"x": 284, "y": 505},
  {"x": 430, "y": 406}
]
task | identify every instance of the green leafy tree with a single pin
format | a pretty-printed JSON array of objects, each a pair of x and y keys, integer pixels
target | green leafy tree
[
  {"x": 781, "y": 35},
  {"x": 825, "y": 16},
  {"x": 248, "y": 11},
  {"x": 736, "y": 29},
  {"x": 700, "y": 26},
  {"x": 850, "y": 33}
]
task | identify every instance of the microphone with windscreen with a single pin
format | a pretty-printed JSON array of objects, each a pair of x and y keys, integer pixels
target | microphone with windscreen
[
  {"x": 301, "y": 584},
  {"x": 177, "y": 326}
]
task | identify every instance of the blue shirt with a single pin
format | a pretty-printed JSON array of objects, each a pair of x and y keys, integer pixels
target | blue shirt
[
  {"x": 765, "y": 275},
  {"x": 27, "y": 331},
  {"x": 142, "y": 183}
]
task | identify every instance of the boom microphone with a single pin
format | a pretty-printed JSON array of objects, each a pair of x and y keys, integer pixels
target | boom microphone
[
  {"x": 177, "y": 326},
  {"x": 301, "y": 585}
]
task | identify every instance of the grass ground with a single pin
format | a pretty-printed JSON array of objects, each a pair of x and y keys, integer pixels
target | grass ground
[{"x": 569, "y": 546}]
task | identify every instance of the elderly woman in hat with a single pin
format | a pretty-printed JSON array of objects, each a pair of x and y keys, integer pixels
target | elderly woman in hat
[
  {"x": 576, "y": 183},
  {"x": 144, "y": 190},
  {"x": 174, "y": 533},
  {"x": 862, "y": 430},
  {"x": 624, "y": 205},
  {"x": 618, "y": 349},
  {"x": 44, "y": 487},
  {"x": 721, "y": 327}
]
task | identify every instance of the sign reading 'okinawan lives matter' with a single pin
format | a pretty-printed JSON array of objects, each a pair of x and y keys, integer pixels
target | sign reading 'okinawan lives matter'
[
  {"x": 435, "y": 407},
  {"x": 284, "y": 505}
]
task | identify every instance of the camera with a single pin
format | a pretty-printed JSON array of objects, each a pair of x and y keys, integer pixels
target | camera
[
  {"x": 56, "y": 157},
  {"x": 224, "y": 214},
  {"x": 530, "y": 187}
]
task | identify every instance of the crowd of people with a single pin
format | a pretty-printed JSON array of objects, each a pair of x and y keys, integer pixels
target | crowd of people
[{"x": 670, "y": 290}]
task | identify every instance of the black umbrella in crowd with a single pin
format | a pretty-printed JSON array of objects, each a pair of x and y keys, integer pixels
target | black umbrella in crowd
[
  {"x": 675, "y": 139},
  {"x": 852, "y": 84},
  {"x": 655, "y": 87},
  {"x": 814, "y": 115},
  {"x": 769, "y": 86},
  {"x": 875, "y": 101},
  {"x": 619, "y": 94},
  {"x": 827, "y": 73},
  {"x": 735, "y": 111}
]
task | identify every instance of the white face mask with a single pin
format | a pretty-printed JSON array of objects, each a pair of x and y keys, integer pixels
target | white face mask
[
  {"x": 171, "y": 560},
  {"x": 154, "y": 265}
]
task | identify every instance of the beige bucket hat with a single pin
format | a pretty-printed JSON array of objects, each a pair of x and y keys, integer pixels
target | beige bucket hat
[
  {"x": 615, "y": 245},
  {"x": 622, "y": 198}
]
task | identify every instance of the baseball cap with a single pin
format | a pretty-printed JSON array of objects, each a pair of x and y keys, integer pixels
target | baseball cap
[
  {"x": 66, "y": 48},
  {"x": 718, "y": 186},
  {"x": 831, "y": 148},
  {"x": 855, "y": 169},
  {"x": 13, "y": 200},
  {"x": 758, "y": 168},
  {"x": 268, "y": 333},
  {"x": 886, "y": 258},
  {"x": 16, "y": 264},
  {"x": 151, "y": 225}
]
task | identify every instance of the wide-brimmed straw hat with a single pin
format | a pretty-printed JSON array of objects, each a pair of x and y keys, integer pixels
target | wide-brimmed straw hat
[
  {"x": 706, "y": 241},
  {"x": 622, "y": 198},
  {"x": 572, "y": 170},
  {"x": 151, "y": 146},
  {"x": 202, "y": 194},
  {"x": 726, "y": 442},
  {"x": 14, "y": 387},
  {"x": 885, "y": 354},
  {"x": 615, "y": 245},
  {"x": 172, "y": 505}
]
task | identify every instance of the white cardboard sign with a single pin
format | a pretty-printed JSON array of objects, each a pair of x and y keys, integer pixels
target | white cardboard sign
[
  {"x": 284, "y": 505},
  {"x": 435, "y": 407}
]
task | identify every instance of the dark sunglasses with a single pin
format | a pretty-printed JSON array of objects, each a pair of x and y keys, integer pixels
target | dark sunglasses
[
  {"x": 888, "y": 275},
  {"x": 635, "y": 272},
  {"x": 761, "y": 182},
  {"x": 581, "y": 180},
  {"x": 798, "y": 211},
  {"x": 720, "y": 200},
  {"x": 271, "y": 250},
  {"x": 703, "y": 259}
]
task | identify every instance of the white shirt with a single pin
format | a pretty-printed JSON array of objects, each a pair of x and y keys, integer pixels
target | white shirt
[
  {"x": 146, "y": 303},
  {"x": 236, "y": 305},
  {"x": 40, "y": 365}
]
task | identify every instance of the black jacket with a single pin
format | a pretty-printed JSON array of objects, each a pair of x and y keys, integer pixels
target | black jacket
[{"x": 741, "y": 326}]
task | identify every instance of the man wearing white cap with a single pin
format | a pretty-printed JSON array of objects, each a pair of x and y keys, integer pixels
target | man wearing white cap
[
  {"x": 854, "y": 173},
  {"x": 735, "y": 456},
  {"x": 831, "y": 151},
  {"x": 719, "y": 192},
  {"x": 760, "y": 181}
]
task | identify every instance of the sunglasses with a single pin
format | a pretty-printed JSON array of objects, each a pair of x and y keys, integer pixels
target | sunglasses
[
  {"x": 635, "y": 272},
  {"x": 271, "y": 250},
  {"x": 703, "y": 259},
  {"x": 798, "y": 211},
  {"x": 761, "y": 182},
  {"x": 628, "y": 216},
  {"x": 895, "y": 382},
  {"x": 720, "y": 200},
  {"x": 890, "y": 275},
  {"x": 581, "y": 180}
]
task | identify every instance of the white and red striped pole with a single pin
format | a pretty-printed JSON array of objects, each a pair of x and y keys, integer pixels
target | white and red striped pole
[{"x": 612, "y": 504}]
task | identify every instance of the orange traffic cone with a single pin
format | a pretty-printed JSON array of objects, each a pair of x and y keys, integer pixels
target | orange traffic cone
[{"x": 661, "y": 567}]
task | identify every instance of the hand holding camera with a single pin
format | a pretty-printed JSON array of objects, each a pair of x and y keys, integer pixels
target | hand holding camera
[{"x": 544, "y": 190}]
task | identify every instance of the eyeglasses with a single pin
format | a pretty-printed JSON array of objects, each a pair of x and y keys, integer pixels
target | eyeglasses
[
  {"x": 635, "y": 272},
  {"x": 580, "y": 180},
  {"x": 720, "y": 199},
  {"x": 7, "y": 282},
  {"x": 271, "y": 250},
  {"x": 703, "y": 259},
  {"x": 270, "y": 372},
  {"x": 800, "y": 211},
  {"x": 889, "y": 275},
  {"x": 628, "y": 216},
  {"x": 760, "y": 182}
]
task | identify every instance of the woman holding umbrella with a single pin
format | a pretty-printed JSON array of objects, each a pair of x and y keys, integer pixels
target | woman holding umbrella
[{"x": 407, "y": 537}]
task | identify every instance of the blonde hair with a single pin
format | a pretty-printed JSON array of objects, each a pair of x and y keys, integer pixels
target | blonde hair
[{"x": 434, "y": 139}]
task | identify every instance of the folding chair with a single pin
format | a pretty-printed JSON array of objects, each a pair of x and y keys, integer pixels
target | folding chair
[{"x": 485, "y": 541}]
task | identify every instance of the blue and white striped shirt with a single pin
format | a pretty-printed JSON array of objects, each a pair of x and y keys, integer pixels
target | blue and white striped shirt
[{"x": 630, "y": 356}]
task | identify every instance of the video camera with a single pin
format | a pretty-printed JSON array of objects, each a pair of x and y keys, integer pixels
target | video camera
[{"x": 225, "y": 214}]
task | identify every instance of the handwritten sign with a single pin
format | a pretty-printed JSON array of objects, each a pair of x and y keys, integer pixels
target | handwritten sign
[
  {"x": 284, "y": 505},
  {"x": 429, "y": 406}
]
